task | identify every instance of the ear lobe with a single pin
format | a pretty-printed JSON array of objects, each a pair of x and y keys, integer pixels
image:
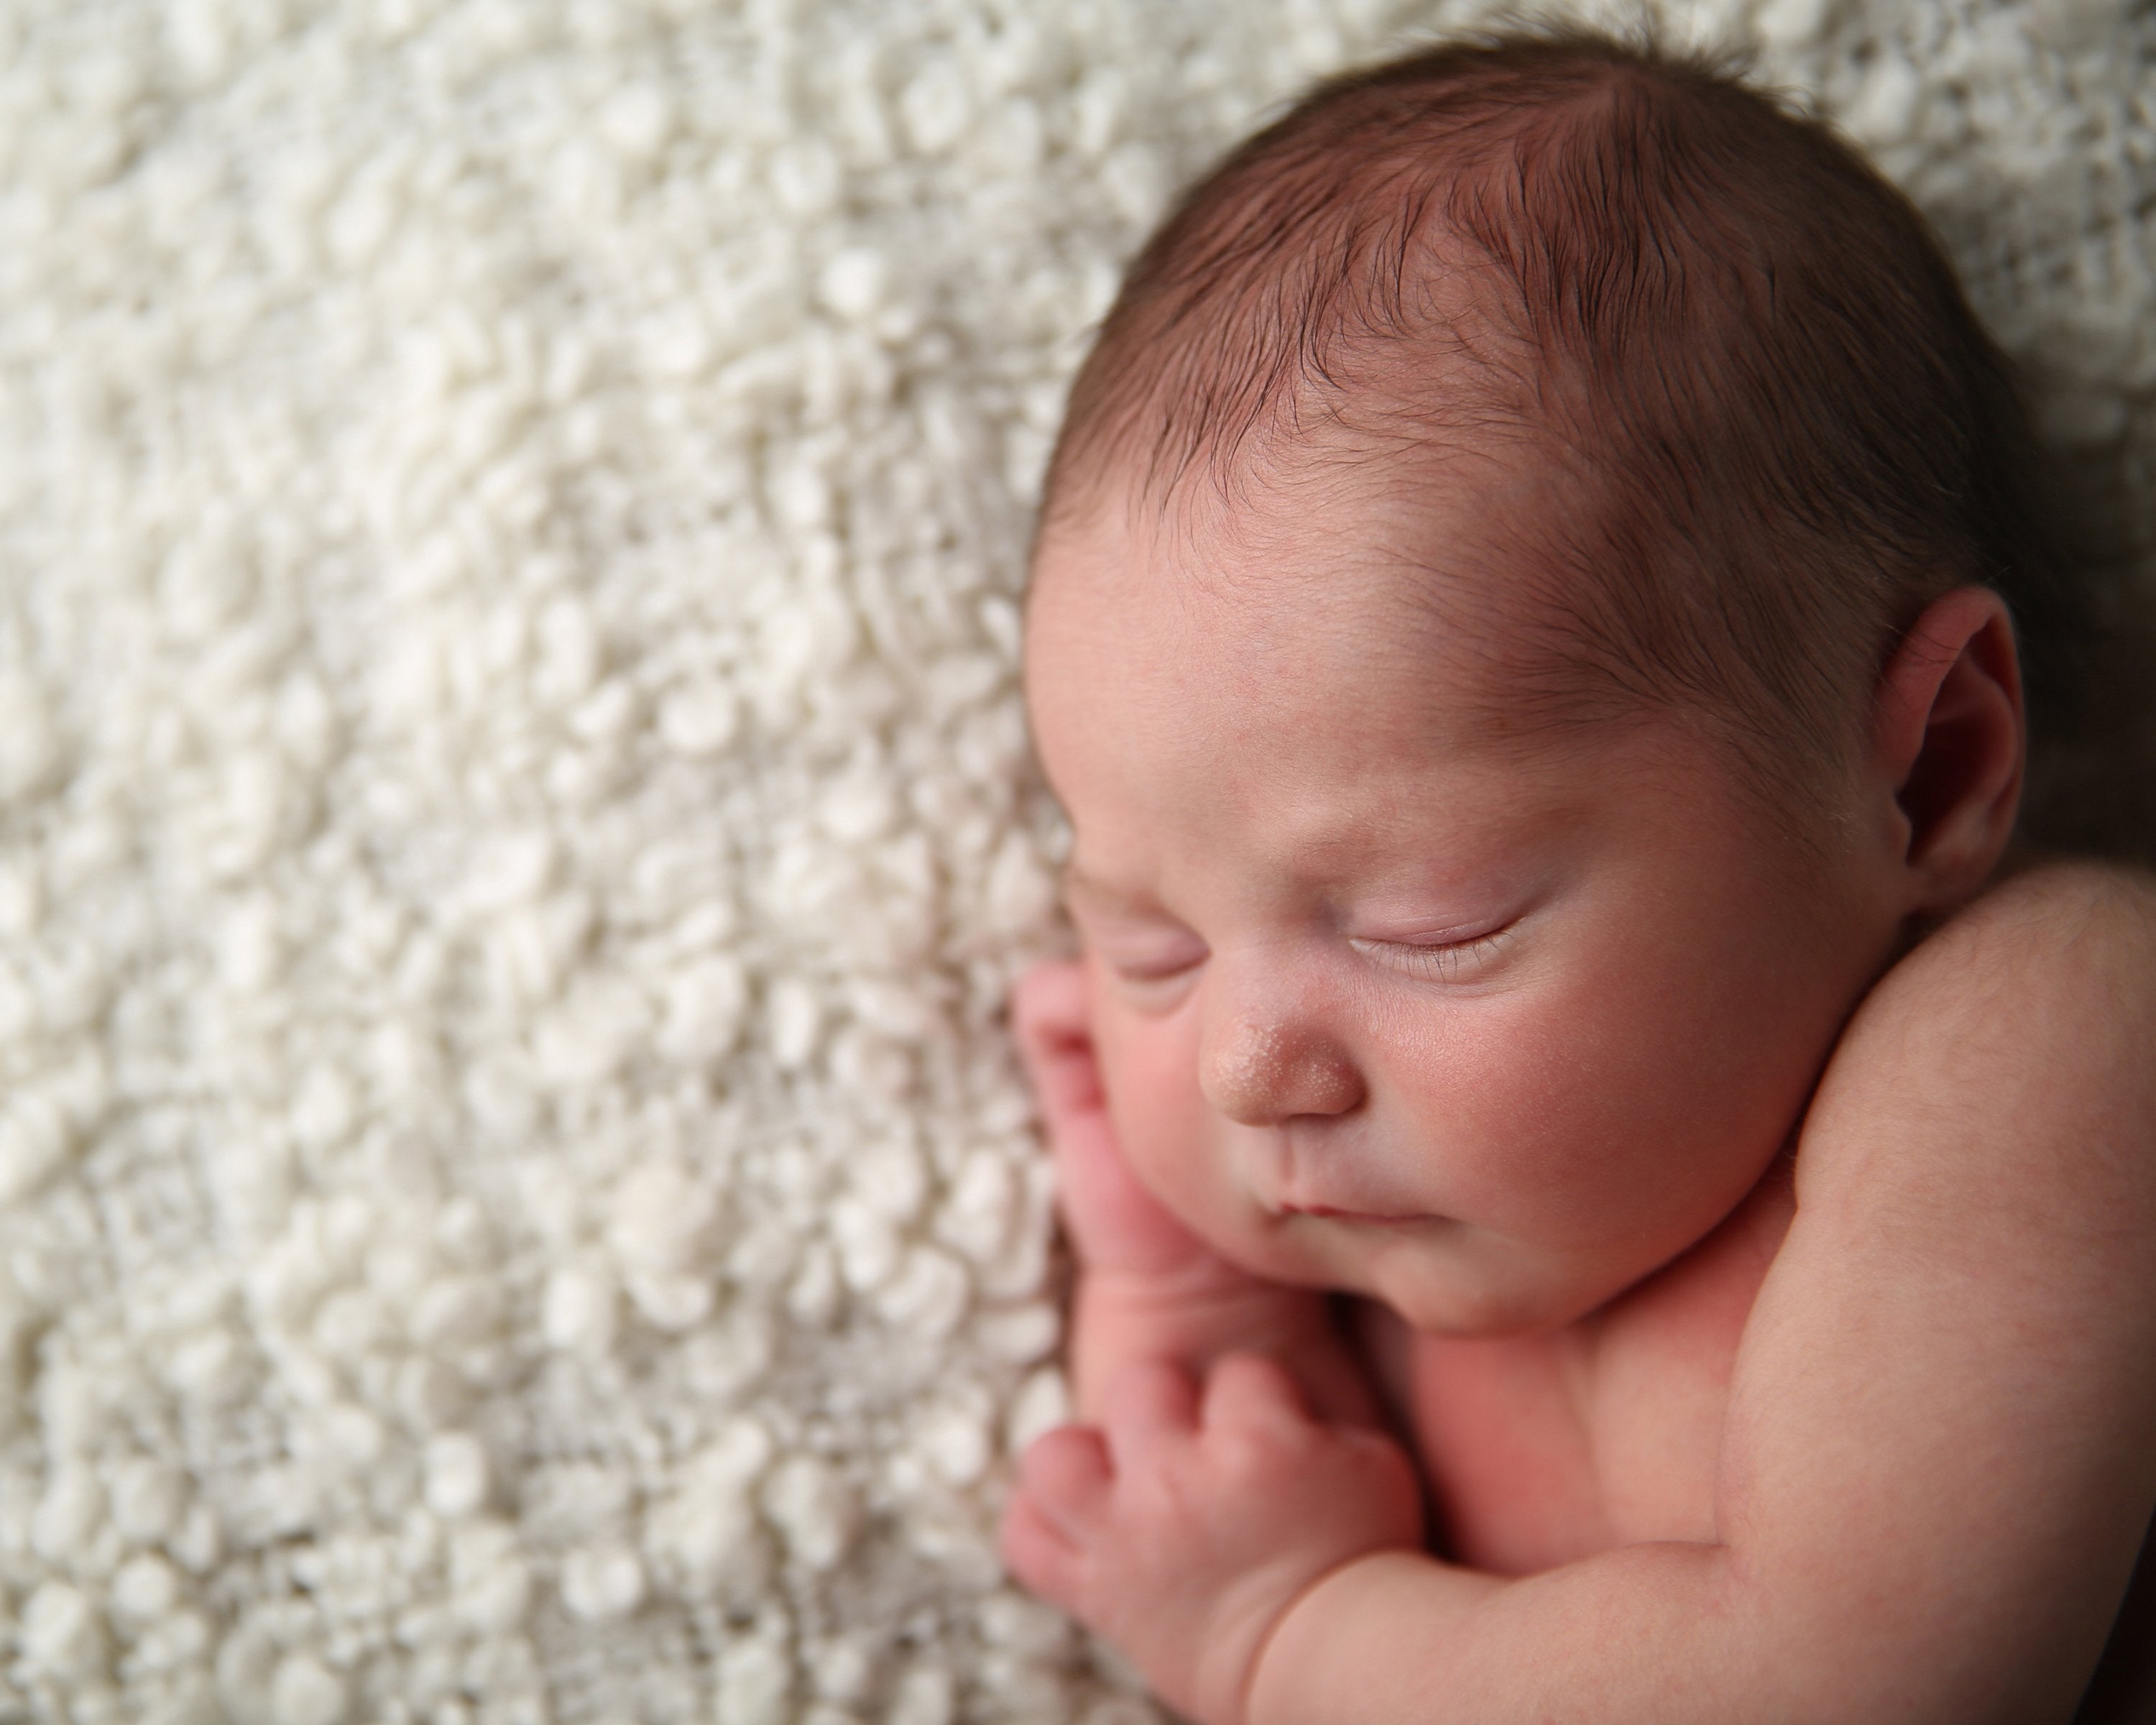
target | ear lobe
[{"x": 1947, "y": 741}]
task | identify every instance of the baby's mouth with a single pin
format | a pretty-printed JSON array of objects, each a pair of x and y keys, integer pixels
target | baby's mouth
[{"x": 1329, "y": 1213}]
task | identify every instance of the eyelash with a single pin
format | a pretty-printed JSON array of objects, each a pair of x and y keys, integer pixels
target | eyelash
[{"x": 1439, "y": 963}]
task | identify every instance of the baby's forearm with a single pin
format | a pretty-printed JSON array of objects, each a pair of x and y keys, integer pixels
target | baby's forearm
[
  {"x": 1662, "y": 1634},
  {"x": 1398, "y": 1636}
]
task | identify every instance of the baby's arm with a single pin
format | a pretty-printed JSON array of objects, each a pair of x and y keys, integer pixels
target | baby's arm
[
  {"x": 1225, "y": 1504},
  {"x": 1148, "y": 1289},
  {"x": 1939, "y": 1457}
]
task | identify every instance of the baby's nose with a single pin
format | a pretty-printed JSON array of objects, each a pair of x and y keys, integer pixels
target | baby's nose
[{"x": 1261, "y": 1072}]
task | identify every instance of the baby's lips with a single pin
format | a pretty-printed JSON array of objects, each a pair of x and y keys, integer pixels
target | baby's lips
[{"x": 1330, "y": 1213}]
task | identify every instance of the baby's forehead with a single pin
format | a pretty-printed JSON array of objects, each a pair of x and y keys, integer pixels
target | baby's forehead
[
  {"x": 1435, "y": 550},
  {"x": 1413, "y": 599}
]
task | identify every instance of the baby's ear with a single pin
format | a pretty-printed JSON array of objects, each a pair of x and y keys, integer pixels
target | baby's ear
[{"x": 1947, "y": 743}]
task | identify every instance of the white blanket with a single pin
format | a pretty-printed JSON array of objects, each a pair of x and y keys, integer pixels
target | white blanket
[{"x": 516, "y": 821}]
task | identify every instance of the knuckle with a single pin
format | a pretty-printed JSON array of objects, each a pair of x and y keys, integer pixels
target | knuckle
[
  {"x": 1248, "y": 1453},
  {"x": 1256, "y": 1389},
  {"x": 1257, "y": 1375},
  {"x": 1047, "y": 998}
]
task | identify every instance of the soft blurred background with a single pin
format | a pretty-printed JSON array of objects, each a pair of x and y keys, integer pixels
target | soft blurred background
[{"x": 515, "y": 822}]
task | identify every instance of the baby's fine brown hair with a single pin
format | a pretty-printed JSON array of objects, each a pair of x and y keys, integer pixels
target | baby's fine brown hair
[{"x": 1785, "y": 431}]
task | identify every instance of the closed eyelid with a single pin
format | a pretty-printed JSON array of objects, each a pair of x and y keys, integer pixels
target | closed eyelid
[
  {"x": 1147, "y": 946},
  {"x": 1151, "y": 982},
  {"x": 1132, "y": 935},
  {"x": 1452, "y": 918},
  {"x": 1441, "y": 959},
  {"x": 1457, "y": 932}
]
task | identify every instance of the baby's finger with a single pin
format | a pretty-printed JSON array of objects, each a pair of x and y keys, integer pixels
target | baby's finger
[
  {"x": 1148, "y": 1403},
  {"x": 1067, "y": 1474},
  {"x": 1055, "y": 1036},
  {"x": 1037, "y": 1552},
  {"x": 1116, "y": 1224},
  {"x": 1253, "y": 1390}
]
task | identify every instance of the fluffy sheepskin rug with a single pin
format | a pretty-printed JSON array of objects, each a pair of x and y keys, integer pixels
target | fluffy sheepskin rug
[{"x": 516, "y": 821}]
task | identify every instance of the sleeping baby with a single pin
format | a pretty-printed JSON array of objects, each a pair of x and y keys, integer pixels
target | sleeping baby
[{"x": 1600, "y": 1191}]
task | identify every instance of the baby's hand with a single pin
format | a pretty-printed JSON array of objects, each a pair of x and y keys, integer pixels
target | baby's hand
[
  {"x": 1119, "y": 1230},
  {"x": 1186, "y": 1529},
  {"x": 1149, "y": 1289}
]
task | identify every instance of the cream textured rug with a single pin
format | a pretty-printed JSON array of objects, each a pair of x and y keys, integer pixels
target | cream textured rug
[{"x": 515, "y": 822}]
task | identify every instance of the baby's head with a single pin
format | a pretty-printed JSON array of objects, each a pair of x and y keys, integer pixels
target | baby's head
[
  {"x": 1717, "y": 376},
  {"x": 1516, "y": 627}
]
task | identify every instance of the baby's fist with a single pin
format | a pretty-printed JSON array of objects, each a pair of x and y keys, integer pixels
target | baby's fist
[{"x": 1186, "y": 1529}]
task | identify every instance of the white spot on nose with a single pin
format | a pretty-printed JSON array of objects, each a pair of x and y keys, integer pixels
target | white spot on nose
[
  {"x": 1264, "y": 1071},
  {"x": 1251, "y": 1067}
]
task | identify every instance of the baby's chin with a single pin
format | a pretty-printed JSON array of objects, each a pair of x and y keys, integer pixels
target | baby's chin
[{"x": 1441, "y": 1277}]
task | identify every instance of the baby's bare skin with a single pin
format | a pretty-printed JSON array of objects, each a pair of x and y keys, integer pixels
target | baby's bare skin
[
  {"x": 1539, "y": 1451},
  {"x": 1876, "y": 1440}
]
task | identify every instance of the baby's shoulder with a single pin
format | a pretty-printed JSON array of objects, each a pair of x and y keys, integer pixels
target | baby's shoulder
[
  {"x": 2052, "y": 905},
  {"x": 2012, "y": 1043},
  {"x": 2056, "y": 948}
]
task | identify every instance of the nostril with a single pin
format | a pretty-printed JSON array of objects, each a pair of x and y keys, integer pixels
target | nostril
[{"x": 1332, "y": 1087}]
